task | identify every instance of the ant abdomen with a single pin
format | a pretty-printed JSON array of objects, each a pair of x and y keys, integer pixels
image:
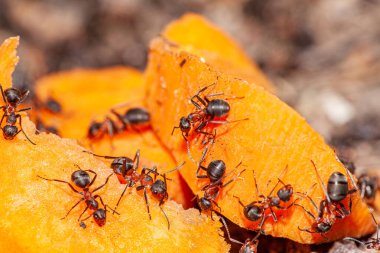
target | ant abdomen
[
  {"x": 337, "y": 187},
  {"x": 218, "y": 108},
  {"x": 80, "y": 178},
  {"x": 137, "y": 116}
]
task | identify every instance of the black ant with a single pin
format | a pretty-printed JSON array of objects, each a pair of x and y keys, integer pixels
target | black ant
[
  {"x": 372, "y": 243},
  {"x": 157, "y": 187},
  {"x": 122, "y": 166},
  {"x": 133, "y": 117},
  {"x": 41, "y": 127},
  {"x": 82, "y": 180},
  {"x": 249, "y": 246},
  {"x": 98, "y": 129},
  {"x": 12, "y": 97},
  {"x": 51, "y": 105},
  {"x": 212, "y": 191},
  {"x": 331, "y": 207},
  {"x": 255, "y": 211},
  {"x": 207, "y": 111},
  {"x": 368, "y": 188}
]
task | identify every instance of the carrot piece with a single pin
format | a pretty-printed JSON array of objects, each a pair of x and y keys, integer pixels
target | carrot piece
[
  {"x": 275, "y": 136},
  {"x": 87, "y": 95},
  {"x": 31, "y": 208},
  {"x": 8, "y": 61},
  {"x": 203, "y": 39}
]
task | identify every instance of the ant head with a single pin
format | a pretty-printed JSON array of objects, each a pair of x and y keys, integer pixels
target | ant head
[
  {"x": 323, "y": 227},
  {"x": 53, "y": 106},
  {"x": 204, "y": 204},
  {"x": 13, "y": 96},
  {"x": 100, "y": 217},
  {"x": 81, "y": 178},
  {"x": 253, "y": 212},
  {"x": 368, "y": 186},
  {"x": 184, "y": 124},
  {"x": 92, "y": 204},
  {"x": 337, "y": 187},
  {"x": 216, "y": 170},
  {"x": 158, "y": 188},
  {"x": 285, "y": 193},
  {"x": 94, "y": 129},
  {"x": 122, "y": 165}
]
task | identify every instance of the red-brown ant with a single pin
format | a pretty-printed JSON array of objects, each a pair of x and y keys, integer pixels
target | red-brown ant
[
  {"x": 212, "y": 191},
  {"x": 82, "y": 180},
  {"x": 157, "y": 187},
  {"x": 249, "y": 246},
  {"x": 126, "y": 171},
  {"x": 371, "y": 243},
  {"x": 12, "y": 97},
  {"x": 331, "y": 207},
  {"x": 134, "y": 118},
  {"x": 255, "y": 211},
  {"x": 207, "y": 111}
]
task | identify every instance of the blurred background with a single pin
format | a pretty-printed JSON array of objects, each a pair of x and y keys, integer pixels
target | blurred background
[{"x": 322, "y": 56}]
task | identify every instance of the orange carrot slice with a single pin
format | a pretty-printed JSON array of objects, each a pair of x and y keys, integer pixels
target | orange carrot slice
[{"x": 275, "y": 136}]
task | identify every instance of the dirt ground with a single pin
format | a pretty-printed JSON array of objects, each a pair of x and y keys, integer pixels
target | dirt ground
[{"x": 323, "y": 56}]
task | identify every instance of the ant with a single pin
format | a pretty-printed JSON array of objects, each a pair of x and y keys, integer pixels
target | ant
[
  {"x": 331, "y": 207},
  {"x": 12, "y": 97},
  {"x": 51, "y": 105},
  {"x": 157, "y": 187},
  {"x": 372, "y": 243},
  {"x": 368, "y": 187},
  {"x": 207, "y": 111},
  {"x": 255, "y": 211},
  {"x": 249, "y": 246},
  {"x": 122, "y": 166},
  {"x": 81, "y": 179},
  {"x": 41, "y": 127},
  {"x": 211, "y": 192},
  {"x": 134, "y": 118}
]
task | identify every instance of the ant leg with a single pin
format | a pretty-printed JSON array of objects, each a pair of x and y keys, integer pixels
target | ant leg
[
  {"x": 200, "y": 162},
  {"x": 2, "y": 93},
  {"x": 25, "y": 109},
  {"x": 188, "y": 149},
  {"x": 2, "y": 118},
  {"x": 307, "y": 211},
  {"x": 228, "y": 232},
  {"x": 147, "y": 203},
  {"x": 93, "y": 172},
  {"x": 19, "y": 118},
  {"x": 101, "y": 186},
  {"x": 226, "y": 121},
  {"x": 233, "y": 178},
  {"x": 273, "y": 214},
  {"x": 241, "y": 203},
  {"x": 121, "y": 196},
  {"x": 101, "y": 201},
  {"x": 80, "y": 216},
  {"x": 60, "y": 181},
  {"x": 23, "y": 96},
  {"x": 120, "y": 118},
  {"x": 137, "y": 159},
  {"x": 321, "y": 181},
  {"x": 313, "y": 232},
  {"x": 216, "y": 204},
  {"x": 72, "y": 208}
]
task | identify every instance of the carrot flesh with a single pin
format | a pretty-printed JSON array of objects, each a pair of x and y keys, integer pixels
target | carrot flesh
[{"x": 275, "y": 136}]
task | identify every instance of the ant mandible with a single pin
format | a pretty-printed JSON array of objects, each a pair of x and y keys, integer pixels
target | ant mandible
[
  {"x": 331, "y": 207},
  {"x": 12, "y": 97},
  {"x": 82, "y": 180},
  {"x": 255, "y": 211},
  {"x": 249, "y": 246}
]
